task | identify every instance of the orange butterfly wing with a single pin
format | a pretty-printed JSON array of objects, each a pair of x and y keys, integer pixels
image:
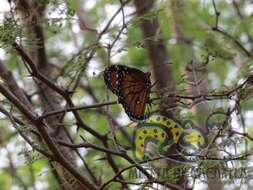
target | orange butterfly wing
[
  {"x": 132, "y": 87},
  {"x": 134, "y": 93}
]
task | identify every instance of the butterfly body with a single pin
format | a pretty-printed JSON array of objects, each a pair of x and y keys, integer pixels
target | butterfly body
[{"x": 132, "y": 87}]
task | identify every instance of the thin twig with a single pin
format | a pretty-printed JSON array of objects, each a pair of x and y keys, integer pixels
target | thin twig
[
  {"x": 77, "y": 108},
  {"x": 224, "y": 33}
]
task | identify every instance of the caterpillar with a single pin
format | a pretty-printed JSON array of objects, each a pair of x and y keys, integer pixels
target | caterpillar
[{"x": 163, "y": 132}]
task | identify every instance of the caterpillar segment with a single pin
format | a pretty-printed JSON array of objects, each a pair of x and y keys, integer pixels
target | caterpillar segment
[
  {"x": 174, "y": 128},
  {"x": 194, "y": 137},
  {"x": 143, "y": 135},
  {"x": 192, "y": 141}
]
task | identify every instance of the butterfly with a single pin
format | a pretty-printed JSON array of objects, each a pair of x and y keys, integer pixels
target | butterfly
[{"x": 132, "y": 87}]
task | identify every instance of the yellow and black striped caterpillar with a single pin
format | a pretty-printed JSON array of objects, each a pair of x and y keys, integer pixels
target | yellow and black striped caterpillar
[{"x": 165, "y": 132}]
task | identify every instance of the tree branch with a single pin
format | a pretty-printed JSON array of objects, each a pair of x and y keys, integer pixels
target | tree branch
[{"x": 42, "y": 128}]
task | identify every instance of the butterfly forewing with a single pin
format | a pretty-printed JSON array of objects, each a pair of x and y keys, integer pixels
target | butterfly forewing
[{"x": 112, "y": 77}]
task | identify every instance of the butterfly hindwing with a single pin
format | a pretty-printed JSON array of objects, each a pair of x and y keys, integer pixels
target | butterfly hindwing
[
  {"x": 132, "y": 87},
  {"x": 134, "y": 93}
]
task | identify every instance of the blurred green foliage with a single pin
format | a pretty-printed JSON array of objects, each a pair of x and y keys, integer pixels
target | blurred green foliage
[{"x": 69, "y": 47}]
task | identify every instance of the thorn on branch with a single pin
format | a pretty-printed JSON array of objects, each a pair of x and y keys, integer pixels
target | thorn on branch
[{"x": 81, "y": 136}]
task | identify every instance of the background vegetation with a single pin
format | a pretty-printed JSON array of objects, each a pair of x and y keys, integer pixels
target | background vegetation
[{"x": 58, "y": 118}]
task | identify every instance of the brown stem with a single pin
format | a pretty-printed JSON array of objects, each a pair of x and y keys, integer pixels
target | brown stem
[
  {"x": 76, "y": 108},
  {"x": 42, "y": 128}
]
